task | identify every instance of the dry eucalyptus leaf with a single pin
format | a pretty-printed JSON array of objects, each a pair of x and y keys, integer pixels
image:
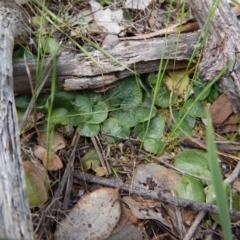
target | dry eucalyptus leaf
[
  {"x": 94, "y": 217},
  {"x": 141, "y": 211},
  {"x": 50, "y": 161},
  {"x": 155, "y": 177},
  {"x": 37, "y": 182},
  {"x": 58, "y": 141}
]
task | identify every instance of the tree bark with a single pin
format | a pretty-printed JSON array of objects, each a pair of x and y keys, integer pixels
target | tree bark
[
  {"x": 77, "y": 71},
  {"x": 222, "y": 47},
  {"x": 15, "y": 218}
]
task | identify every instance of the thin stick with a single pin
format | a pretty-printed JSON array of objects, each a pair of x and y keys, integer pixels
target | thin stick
[{"x": 183, "y": 203}]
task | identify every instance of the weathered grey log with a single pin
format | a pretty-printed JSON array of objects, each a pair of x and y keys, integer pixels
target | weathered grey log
[
  {"x": 15, "y": 218},
  {"x": 77, "y": 71},
  {"x": 222, "y": 46}
]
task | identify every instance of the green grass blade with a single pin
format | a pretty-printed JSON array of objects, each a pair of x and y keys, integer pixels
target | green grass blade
[{"x": 217, "y": 181}]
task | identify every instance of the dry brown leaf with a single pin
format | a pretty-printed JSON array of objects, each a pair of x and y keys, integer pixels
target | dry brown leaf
[
  {"x": 93, "y": 217},
  {"x": 58, "y": 141},
  {"x": 177, "y": 81},
  {"x": 101, "y": 171},
  {"x": 141, "y": 211},
  {"x": 50, "y": 161},
  {"x": 155, "y": 177}
]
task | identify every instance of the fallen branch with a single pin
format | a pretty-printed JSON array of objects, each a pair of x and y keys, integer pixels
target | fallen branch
[
  {"x": 77, "y": 71},
  {"x": 183, "y": 203}
]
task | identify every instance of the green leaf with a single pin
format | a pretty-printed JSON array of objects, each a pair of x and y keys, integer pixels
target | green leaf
[
  {"x": 64, "y": 99},
  {"x": 114, "y": 127},
  {"x": 88, "y": 130},
  {"x": 198, "y": 90},
  {"x": 93, "y": 97},
  {"x": 127, "y": 94},
  {"x": 154, "y": 146},
  {"x": 190, "y": 188},
  {"x": 152, "y": 79},
  {"x": 99, "y": 113},
  {"x": 193, "y": 162},
  {"x": 186, "y": 125},
  {"x": 155, "y": 130},
  {"x": 22, "y": 101},
  {"x": 51, "y": 46},
  {"x": 90, "y": 161},
  {"x": 20, "y": 113},
  {"x": 213, "y": 95},
  {"x": 42, "y": 102},
  {"x": 212, "y": 198},
  {"x": 81, "y": 110},
  {"x": 162, "y": 98},
  {"x": 18, "y": 55},
  {"x": 134, "y": 116},
  {"x": 59, "y": 116},
  {"x": 197, "y": 110}
]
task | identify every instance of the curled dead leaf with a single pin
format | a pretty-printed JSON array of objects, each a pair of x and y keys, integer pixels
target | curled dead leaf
[
  {"x": 95, "y": 215},
  {"x": 37, "y": 183},
  {"x": 51, "y": 161},
  {"x": 58, "y": 141}
]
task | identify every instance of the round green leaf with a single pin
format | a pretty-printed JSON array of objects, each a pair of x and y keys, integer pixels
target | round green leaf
[
  {"x": 22, "y": 101},
  {"x": 193, "y": 162},
  {"x": 114, "y": 127},
  {"x": 64, "y": 99},
  {"x": 155, "y": 130},
  {"x": 88, "y": 130},
  {"x": 134, "y": 116},
  {"x": 190, "y": 188},
  {"x": 99, "y": 113},
  {"x": 51, "y": 45},
  {"x": 127, "y": 94},
  {"x": 81, "y": 110},
  {"x": 162, "y": 98},
  {"x": 93, "y": 97},
  {"x": 154, "y": 146},
  {"x": 197, "y": 110},
  {"x": 59, "y": 116}
]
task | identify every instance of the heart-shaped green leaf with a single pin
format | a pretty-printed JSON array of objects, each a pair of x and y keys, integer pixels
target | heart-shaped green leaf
[
  {"x": 114, "y": 127},
  {"x": 154, "y": 129},
  {"x": 193, "y": 162},
  {"x": 190, "y": 188}
]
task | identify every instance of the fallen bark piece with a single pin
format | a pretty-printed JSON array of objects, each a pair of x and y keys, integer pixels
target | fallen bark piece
[
  {"x": 221, "y": 109},
  {"x": 15, "y": 218}
]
